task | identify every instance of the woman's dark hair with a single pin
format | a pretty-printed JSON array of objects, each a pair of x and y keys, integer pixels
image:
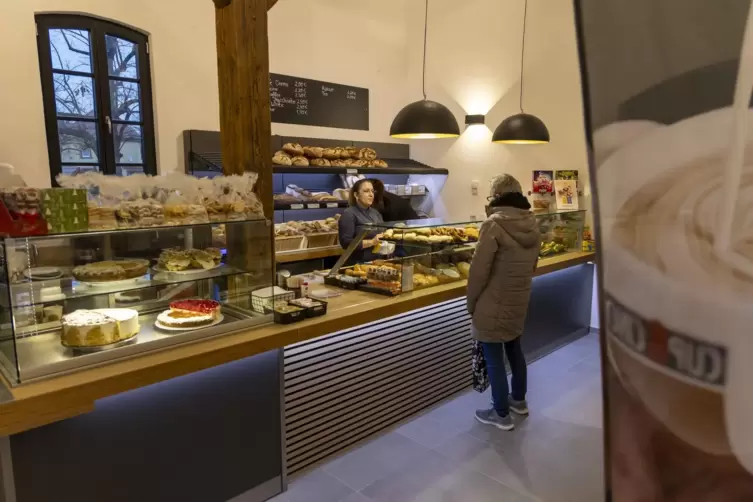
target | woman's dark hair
[
  {"x": 512, "y": 199},
  {"x": 356, "y": 188}
]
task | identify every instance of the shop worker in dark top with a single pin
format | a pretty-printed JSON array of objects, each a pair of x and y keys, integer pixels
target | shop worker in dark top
[
  {"x": 360, "y": 213},
  {"x": 393, "y": 207},
  {"x": 499, "y": 288}
]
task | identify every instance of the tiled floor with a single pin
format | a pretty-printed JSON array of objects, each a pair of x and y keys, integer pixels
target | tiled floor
[{"x": 444, "y": 455}]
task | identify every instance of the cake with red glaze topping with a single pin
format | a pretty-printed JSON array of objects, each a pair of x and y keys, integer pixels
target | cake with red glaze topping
[{"x": 203, "y": 307}]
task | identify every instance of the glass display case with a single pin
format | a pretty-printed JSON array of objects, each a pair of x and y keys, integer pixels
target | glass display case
[
  {"x": 410, "y": 255},
  {"x": 561, "y": 231},
  {"x": 75, "y": 300},
  {"x": 427, "y": 252}
]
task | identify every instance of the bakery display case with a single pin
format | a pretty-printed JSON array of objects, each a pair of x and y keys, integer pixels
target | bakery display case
[
  {"x": 77, "y": 299},
  {"x": 561, "y": 231},
  {"x": 411, "y": 255}
]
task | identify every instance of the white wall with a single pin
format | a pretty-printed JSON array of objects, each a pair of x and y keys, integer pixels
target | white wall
[
  {"x": 473, "y": 58},
  {"x": 474, "y": 67}
]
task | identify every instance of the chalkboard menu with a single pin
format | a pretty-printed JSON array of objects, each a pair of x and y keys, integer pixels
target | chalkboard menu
[{"x": 295, "y": 100}]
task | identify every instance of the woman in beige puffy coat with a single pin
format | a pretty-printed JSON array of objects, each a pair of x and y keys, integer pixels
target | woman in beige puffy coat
[{"x": 499, "y": 288}]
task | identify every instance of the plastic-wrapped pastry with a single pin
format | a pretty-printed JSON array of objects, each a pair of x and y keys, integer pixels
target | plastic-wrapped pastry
[
  {"x": 282, "y": 159},
  {"x": 313, "y": 152},
  {"x": 292, "y": 149},
  {"x": 320, "y": 162},
  {"x": 379, "y": 163},
  {"x": 331, "y": 153},
  {"x": 300, "y": 161}
]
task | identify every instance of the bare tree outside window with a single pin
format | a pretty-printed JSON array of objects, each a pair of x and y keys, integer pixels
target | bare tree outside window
[{"x": 97, "y": 76}]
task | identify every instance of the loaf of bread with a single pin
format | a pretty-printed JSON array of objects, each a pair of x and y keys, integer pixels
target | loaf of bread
[
  {"x": 368, "y": 154},
  {"x": 331, "y": 153},
  {"x": 313, "y": 152},
  {"x": 281, "y": 159},
  {"x": 292, "y": 149},
  {"x": 360, "y": 163},
  {"x": 379, "y": 163},
  {"x": 300, "y": 161},
  {"x": 320, "y": 162},
  {"x": 339, "y": 163}
]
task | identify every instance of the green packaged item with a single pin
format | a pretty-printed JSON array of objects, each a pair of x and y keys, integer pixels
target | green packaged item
[{"x": 65, "y": 210}]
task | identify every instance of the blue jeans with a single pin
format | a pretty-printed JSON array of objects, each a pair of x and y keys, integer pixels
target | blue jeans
[{"x": 494, "y": 353}]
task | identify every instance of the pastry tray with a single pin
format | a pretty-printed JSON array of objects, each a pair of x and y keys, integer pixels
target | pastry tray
[{"x": 379, "y": 291}]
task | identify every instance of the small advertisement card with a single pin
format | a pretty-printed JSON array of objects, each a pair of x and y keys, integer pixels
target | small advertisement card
[
  {"x": 566, "y": 194},
  {"x": 566, "y": 175},
  {"x": 542, "y": 181}
]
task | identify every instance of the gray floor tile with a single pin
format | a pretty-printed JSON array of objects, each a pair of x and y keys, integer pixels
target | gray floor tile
[
  {"x": 463, "y": 485},
  {"x": 315, "y": 486},
  {"x": 427, "y": 431},
  {"x": 375, "y": 460},
  {"x": 411, "y": 481},
  {"x": 355, "y": 497}
]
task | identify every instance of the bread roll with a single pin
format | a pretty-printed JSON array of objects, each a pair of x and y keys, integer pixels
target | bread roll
[
  {"x": 353, "y": 152},
  {"x": 338, "y": 163},
  {"x": 300, "y": 161},
  {"x": 344, "y": 153},
  {"x": 281, "y": 159},
  {"x": 359, "y": 163},
  {"x": 379, "y": 163},
  {"x": 331, "y": 153},
  {"x": 320, "y": 162},
  {"x": 368, "y": 154},
  {"x": 292, "y": 149},
  {"x": 313, "y": 152}
]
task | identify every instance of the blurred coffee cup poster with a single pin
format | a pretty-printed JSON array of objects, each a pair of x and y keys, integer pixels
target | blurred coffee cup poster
[{"x": 671, "y": 135}]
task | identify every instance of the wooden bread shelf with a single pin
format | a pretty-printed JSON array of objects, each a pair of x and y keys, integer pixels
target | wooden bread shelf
[
  {"x": 308, "y": 254},
  {"x": 39, "y": 403}
]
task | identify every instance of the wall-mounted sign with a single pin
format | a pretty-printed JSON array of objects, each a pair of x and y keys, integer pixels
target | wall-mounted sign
[{"x": 295, "y": 100}]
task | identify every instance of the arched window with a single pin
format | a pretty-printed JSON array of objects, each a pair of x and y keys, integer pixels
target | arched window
[{"x": 96, "y": 85}]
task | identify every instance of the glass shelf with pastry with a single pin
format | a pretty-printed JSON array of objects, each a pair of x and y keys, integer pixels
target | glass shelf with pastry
[
  {"x": 408, "y": 255},
  {"x": 81, "y": 299},
  {"x": 561, "y": 231}
]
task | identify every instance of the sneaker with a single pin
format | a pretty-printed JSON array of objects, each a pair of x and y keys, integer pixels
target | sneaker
[
  {"x": 519, "y": 407},
  {"x": 490, "y": 417}
]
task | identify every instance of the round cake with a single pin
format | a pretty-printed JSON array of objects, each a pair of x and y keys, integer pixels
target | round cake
[
  {"x": 93, "y": 328},
  {"x": 184, "y": 319},
  {"x": 105, "y": 271}
]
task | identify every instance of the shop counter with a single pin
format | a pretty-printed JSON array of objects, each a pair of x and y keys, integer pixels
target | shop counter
[
  {"x": 239, "y": 412},
  {"x": 39, "y": 403}
]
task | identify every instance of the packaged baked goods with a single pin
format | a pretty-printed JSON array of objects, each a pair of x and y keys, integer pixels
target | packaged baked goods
[
  {"x": 292, "y": 149},
  {"x": 313, "y": 152},
  {"x": 183, "y": 204},
  {"x": 281, "y": 158},
  {"x": 300, "y": 161},
  {"x": 245, "y": 185}
]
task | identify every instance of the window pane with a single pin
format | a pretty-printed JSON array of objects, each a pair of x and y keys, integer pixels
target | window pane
[
  {"x": 71, "y": 50},
  {"x": 124, "y": 99},
  {"x": 78, "y": 141},
  {"x": 129, "y": 170},
  {"x": 80, "y": 169},
  {"x": 122, "y": 57},
  {"x": 74, "y": 96},
  {"x": 127, "y": 142}
]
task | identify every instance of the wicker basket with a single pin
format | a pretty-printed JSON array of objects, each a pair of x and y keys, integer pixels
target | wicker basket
[
  {"x": 290, "y": 243},
  {"x": 321, "y": 240}
]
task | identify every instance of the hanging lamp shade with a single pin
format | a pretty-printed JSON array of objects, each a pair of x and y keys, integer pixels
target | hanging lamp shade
[
  {"x": 423, "y": 120},
  {"x": 521, "y": 129}
]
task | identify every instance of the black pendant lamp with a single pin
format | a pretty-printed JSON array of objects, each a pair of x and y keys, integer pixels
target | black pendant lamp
[
  {"x": 425, "y": 119},
  {"x": 522, "y": 128}
]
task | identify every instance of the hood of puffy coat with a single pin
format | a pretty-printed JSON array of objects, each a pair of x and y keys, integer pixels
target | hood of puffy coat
[{"x": 519, "y": 224}]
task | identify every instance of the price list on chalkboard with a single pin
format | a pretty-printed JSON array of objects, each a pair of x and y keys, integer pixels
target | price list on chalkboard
[{"x": 295, "y": 100}]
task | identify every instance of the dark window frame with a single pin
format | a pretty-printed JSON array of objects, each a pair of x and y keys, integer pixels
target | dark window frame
[{"x": 97, "y": 29}]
